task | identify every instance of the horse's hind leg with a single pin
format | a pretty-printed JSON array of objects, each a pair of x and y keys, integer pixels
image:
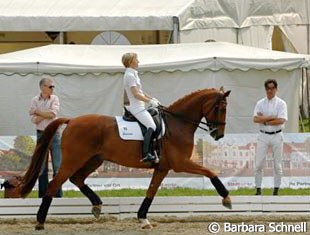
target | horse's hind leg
[
  {"x": 79, "y": 177},
  {"x": 52, "y": 188},
  {"x": 194, "y": 168},
  {"x": 59, "y": 179},
  {"x": 157, "y": 178}
]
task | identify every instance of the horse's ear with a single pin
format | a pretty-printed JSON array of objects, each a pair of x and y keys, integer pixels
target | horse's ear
[
  {"x": 227, "y": 93},
  {"x": 222, "y": 89}
]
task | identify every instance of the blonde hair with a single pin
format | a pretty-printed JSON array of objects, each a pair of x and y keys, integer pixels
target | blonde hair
[{"x": 127, "y": 58}]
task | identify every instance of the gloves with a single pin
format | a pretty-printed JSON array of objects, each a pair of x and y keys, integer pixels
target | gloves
[
  {"x": 153, "y": 103},
  {"x": 156, "y": 101}
]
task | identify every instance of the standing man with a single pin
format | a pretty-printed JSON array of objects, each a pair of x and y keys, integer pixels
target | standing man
[
  {"x": 271, "y": 114},
  {"x": 43, "y": 110}
]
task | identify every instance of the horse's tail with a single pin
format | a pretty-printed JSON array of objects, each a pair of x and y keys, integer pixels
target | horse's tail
[{"x": 39, "y": 156}]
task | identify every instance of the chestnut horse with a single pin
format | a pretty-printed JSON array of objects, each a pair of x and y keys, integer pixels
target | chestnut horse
[{"x": 89, "y": 140}]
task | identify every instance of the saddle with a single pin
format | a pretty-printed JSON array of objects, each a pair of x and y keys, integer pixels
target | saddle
[
  {"x": 129, "y": 128},
  {"x": 127, "y": 116}
]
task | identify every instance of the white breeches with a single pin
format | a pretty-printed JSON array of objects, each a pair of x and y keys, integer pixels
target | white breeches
[
  {"x": 275, "y": 142},
  {"x": 145, "y": 118}
]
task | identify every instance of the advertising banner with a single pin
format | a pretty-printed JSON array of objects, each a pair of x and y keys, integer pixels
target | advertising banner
[{"x": 232, "y": 158}]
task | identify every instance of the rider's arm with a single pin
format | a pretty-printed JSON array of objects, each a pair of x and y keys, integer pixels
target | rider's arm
[{"x": 138, "y": 95}]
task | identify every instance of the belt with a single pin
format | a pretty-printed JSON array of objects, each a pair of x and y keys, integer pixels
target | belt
[{"x": 270, "y": 133}]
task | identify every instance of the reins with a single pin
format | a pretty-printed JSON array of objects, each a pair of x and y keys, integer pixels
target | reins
[{"x": 184, "y": 118}]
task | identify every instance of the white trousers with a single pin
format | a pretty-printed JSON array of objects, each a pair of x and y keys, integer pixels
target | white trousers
[
  {"x": 275, "y": 142},
  {"x": 145, "y": 118}
]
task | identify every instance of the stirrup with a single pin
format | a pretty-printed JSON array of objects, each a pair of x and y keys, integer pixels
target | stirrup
[{"x": 149, "y": 158}]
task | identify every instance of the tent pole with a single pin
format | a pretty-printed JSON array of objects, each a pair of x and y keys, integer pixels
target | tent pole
[
  {"x": 176, "y": 28},
  {"x": 307, "y": 93},
  {"x": 301, "y": 122},
  {"x": 237, "y": 35},
  {"x": 308, "y": 44},
  {"x": 301, "y": 113},
  {"x": 61, "y": 37}
]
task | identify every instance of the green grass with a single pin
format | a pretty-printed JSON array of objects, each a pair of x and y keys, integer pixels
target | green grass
[
  {"x": 177, "y": 192},
  {"x": 306, "y": 123}
]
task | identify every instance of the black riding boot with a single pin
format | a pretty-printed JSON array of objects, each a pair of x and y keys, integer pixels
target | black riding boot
[{"x": 147, "y": 155}]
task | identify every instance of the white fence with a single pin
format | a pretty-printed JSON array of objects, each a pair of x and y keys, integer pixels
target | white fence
[{"x": 122, "y": 207}]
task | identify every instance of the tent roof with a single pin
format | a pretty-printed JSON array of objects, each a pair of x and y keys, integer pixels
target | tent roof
[
  {"x": 86, "y": 15},
  {"x": 100, "y": 15},
  {"x": 154, "y": 58},
  {"x": 202, "y": 14}
]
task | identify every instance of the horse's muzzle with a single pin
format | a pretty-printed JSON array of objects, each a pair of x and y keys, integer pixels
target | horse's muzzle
[
  {"x": 217, "y": 137},
  {"x": 12, "y": 187}
]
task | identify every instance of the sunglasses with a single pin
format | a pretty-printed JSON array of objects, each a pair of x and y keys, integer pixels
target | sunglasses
[{"x": 50, "y": 87}]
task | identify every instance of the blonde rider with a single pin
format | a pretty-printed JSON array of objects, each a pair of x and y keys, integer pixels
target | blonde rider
[{"x": 138, "y": 101}]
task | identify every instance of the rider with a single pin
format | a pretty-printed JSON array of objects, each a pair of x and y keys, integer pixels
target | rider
[{"x": 136, "y": 101}]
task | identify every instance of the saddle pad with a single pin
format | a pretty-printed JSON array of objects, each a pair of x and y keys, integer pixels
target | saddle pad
[{"x": 128, "y": 130}]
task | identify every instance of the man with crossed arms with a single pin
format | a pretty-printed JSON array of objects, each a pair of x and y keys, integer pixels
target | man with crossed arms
[
  {"x": 271, "y": 114},
  {"x": 43, "y": 110}
]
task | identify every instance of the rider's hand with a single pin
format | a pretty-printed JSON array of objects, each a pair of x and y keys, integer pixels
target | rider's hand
[
  {"x": 156, "y": 100},
  {"x": 153, "y": 103}
]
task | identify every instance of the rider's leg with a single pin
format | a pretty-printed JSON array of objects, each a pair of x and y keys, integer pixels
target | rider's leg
[
  {"x": 147, "y": 155},
  {"x": 146, "y": 119}
]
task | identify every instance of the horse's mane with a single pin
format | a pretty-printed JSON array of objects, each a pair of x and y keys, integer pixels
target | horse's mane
[{"x": 189, "y": 96}]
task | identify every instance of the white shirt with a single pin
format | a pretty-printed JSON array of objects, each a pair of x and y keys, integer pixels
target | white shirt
[
  {"x": 131, "y": 79},
  {"x": 274, "y": 107}
]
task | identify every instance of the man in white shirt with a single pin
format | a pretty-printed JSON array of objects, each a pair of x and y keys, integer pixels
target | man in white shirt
[{"x": 271, "y": 114}]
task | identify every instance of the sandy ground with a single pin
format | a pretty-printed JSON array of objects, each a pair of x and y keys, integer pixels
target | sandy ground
[{"x": 169, "y": 225}]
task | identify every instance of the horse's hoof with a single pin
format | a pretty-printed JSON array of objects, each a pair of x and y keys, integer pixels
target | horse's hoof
[
  {"x": 226, "y": 202},
  {"x": 96, "y": 210},
  {"x": 145, "y": 224},
  {"x": 154, "y": 225},
  {"x": 39, "y": 226}
]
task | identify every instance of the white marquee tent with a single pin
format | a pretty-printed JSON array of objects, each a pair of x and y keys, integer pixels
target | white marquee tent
[
  {"x": 247, "y": 22},
  {"x": 89, "y": 79}
]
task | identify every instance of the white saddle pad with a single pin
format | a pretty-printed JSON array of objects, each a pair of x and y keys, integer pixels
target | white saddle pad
[
  {"x": 128, "y": 130},
  {"x": 132, "y": 130}
]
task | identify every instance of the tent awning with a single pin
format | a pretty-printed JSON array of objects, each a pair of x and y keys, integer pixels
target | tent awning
[{"x": 153, "y": 58}]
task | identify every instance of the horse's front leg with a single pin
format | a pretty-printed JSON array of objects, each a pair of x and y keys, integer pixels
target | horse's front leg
[
  {"x": 191, "y": 167},
  {"x": 157, "y": 178}
]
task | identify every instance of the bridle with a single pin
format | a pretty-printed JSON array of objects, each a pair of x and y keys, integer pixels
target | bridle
[{"x": 211, "y": 126}]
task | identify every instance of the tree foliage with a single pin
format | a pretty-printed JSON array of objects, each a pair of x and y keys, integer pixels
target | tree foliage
[
  {"x": 24, "y": 144},
  {"x": 18, "y": 158}
]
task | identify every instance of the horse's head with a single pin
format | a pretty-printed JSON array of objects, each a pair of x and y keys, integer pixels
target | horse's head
[
  {"x": 12, "y": 187},
  {"x": 215, "y": 113}
]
